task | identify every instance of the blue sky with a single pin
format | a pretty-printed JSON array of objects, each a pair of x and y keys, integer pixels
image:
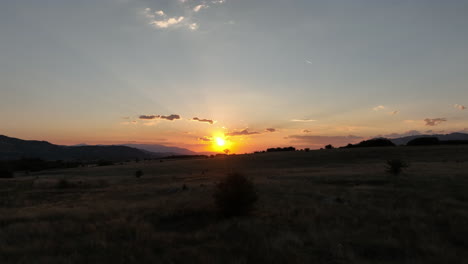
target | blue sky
[{"x": 84, "y": 71}]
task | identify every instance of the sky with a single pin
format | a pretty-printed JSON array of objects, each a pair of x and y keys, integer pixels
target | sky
[{"x": 254, "y": 73}]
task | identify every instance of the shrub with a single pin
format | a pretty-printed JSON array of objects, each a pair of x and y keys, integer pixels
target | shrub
[
  {"x": 6, "y": 173},
  {"x": 396, "y": 166},
  {"x": 138, "y": 173},
  {"x": 329, "y": 146},
  {"x": 235, "y": 195},
  {"x": 105, "y": 163},
  {"x": 64, "y": 184}
]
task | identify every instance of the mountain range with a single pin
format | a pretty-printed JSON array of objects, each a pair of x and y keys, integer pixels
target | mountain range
[
  {"x": 441, "y": 137},
  {"x": 13, "y": 148}
]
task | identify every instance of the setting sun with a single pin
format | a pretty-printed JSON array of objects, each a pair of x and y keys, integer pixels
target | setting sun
[{"x": 220, "y": 142}]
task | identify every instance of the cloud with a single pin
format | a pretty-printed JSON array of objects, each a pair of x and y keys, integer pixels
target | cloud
[
  {"x": 270, "y": 130},
  {"x": 167, "y": 22},
  {"x": 308, "y": 62},
  {"x": 244, "y": 132},
  {"x": 205, "y": 139},
  {"x": 147, "y": 13},
  {"x": 160, "y": 20},
  {"x": 203, "y": 120},
  {"x": 459, "y": 107},
  {"x": 160, "y": 13},
  {"x": 148, "y": 117},
  {"x": 303, "y": 120},
  {"x": 306, "y": 131},
  {"x": 378, "y": 108},
  {"x": 170, "y": 117},
  {"x": 394, "y": 113},
  {"x": 151, "y": 117},
  {"x": 199, "y": 7},
  {"x": 318, "y": 141},
  {"x": 434, "y": 122}
]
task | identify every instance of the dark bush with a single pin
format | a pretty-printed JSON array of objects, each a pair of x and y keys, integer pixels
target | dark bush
[
  {"x": 138, "y": 173},
  {"x": 395, "y": 166},
  {"x": 235, "y": 195},
  {"x": 6, "y": 173},
  {"x": 329, "y": 146},
  {"x": 64, "y": 184},
  {"x": 105, "y": 163}
]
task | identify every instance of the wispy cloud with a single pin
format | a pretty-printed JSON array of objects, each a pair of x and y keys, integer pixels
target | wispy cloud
[
  {"x": 151, "y": 117},
  {"x": 205, "y": 139},
  {"x": 244, "y": 132},
  {"x": 160, "y": 13},
  {"x": 160, "y": 20},
  {"x": 394, "y": 113},
  {"x": 167, "y": 22},
  {"x": 148, "y": 117},
  {"x": 306, "y": 131},
  {"x": 203, "y": 120},
  {"x": 199, "y": 7},
  {"x": 434, "y": 121},
  {"x": 303, "y": 120},
  {"x": 270, "y": 130},
  {"x": 459, "y": 107},
  {"x": 378, "y": 108},
  {"x": 308, "y": 61}
]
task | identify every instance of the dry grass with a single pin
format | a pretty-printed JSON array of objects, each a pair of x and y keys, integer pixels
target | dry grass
[{"x": 331, "y": 206}]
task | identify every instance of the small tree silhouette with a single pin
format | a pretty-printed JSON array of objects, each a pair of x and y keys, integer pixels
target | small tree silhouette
[
  {"x": 396, "y": 166},
  {"x": 138, "y": 173},
  {"x": 329, "y": 146},
  {"x": 226, "y": 151}
]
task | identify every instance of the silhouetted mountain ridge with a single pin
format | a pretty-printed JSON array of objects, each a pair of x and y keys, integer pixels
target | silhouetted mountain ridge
[
  {"x": 441, "y": 137},
  {"x": 14, "y": 148}
]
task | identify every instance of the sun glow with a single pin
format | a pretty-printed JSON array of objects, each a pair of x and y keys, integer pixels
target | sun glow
[{"x": 220, "y": 141}]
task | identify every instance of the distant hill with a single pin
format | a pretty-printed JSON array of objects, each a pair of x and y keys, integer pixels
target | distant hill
[
  {"x": 13, "y": 148},
  {"x": 441, "y": 137},
  {"x": 162, "y": 149},
  {"x": 169, "y": 151}
]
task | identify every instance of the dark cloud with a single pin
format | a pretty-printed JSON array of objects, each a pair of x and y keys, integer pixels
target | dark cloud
[
  {"x": 151, "y": 117},
  {"x": 148, "y": 117},
  {"x": 434, "y": 121},
  {"x": 206, "y": 139},
  {"x": 170, "y": 117},
  {"x": 244, "y": 132},
  {"x": 306, "y": 131},
  {"x": 319, "y": 141},
  {"x": 203, "y": 120},
  {"x": 270, "y": 130}
]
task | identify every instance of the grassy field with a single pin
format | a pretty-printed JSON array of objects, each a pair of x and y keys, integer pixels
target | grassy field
[{"x": 327, "y": 206}]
